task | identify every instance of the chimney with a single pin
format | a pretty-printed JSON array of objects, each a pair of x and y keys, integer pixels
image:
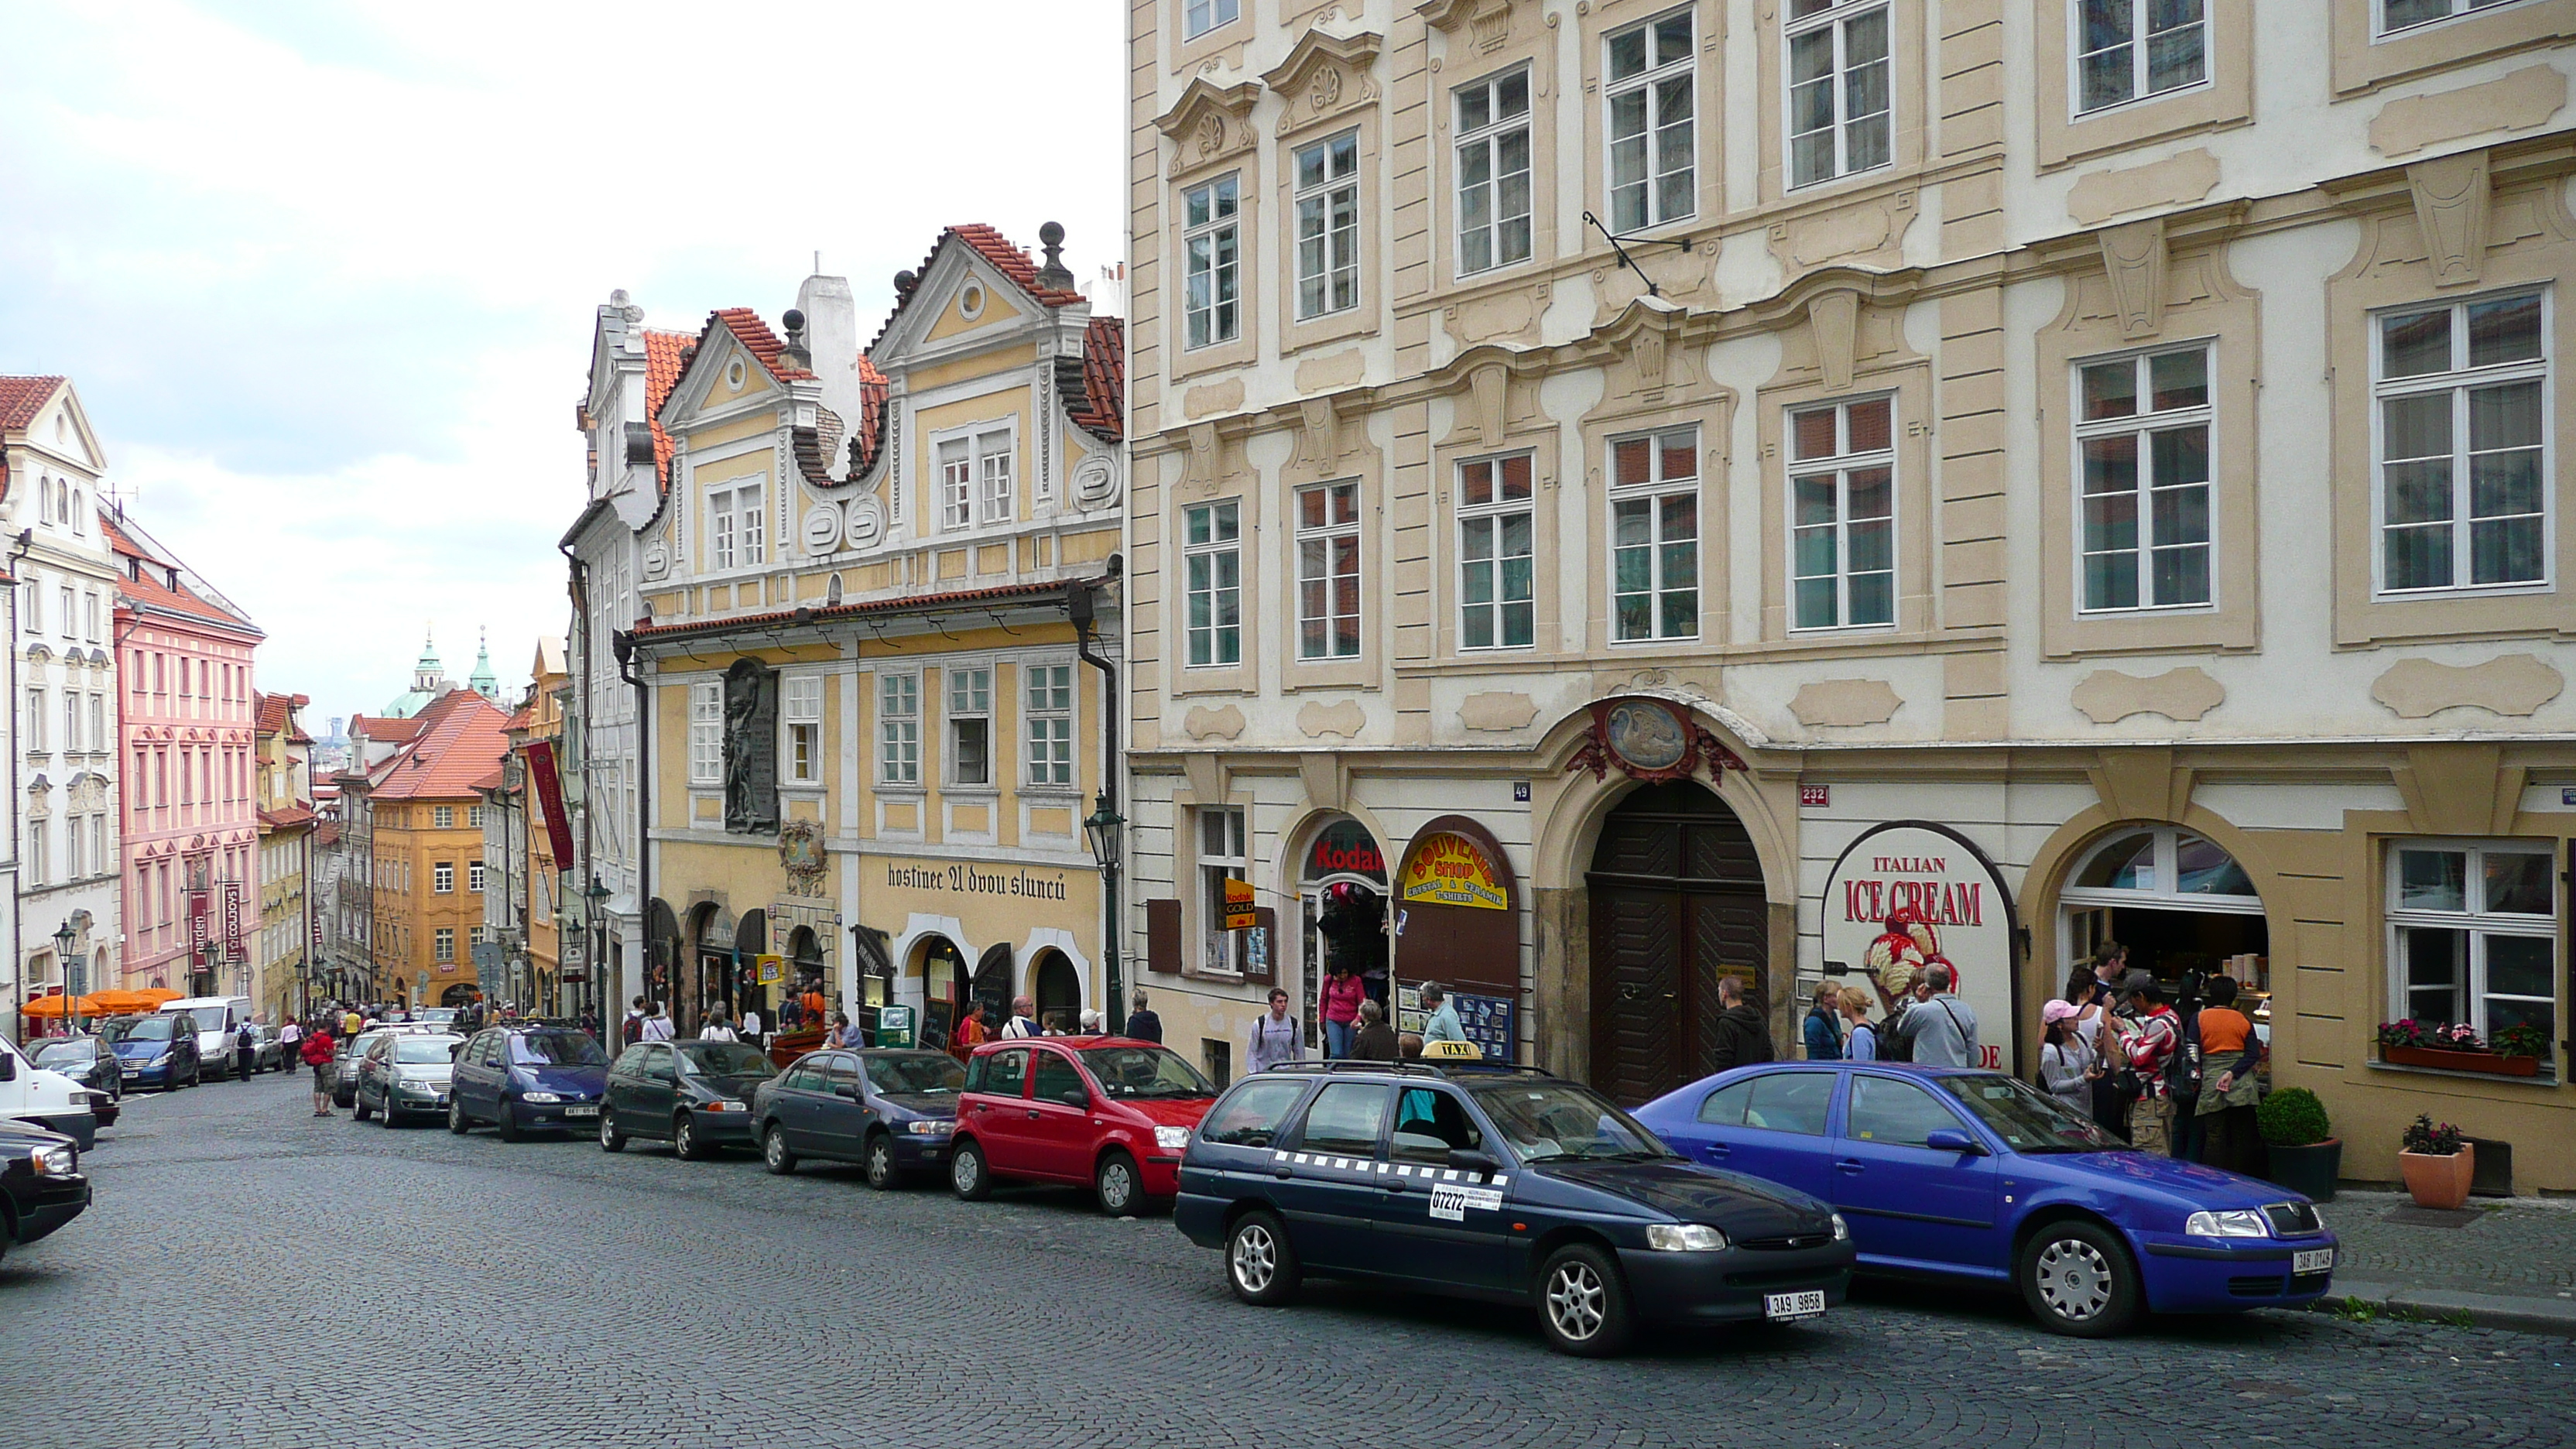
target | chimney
[
  {"x": 832, "y": 341},
  {"x": 1054, "y": 274}
]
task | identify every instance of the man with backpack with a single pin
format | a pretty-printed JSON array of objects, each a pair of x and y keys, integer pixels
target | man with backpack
[
  {"x": 631, "y": 1030},
  {"x": 1940, "y": 1030}
]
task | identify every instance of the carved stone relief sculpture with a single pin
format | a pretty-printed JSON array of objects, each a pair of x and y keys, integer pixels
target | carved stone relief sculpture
[
  {"x": 2451, "y": 207},
  {"x": 750, "y": 748}
]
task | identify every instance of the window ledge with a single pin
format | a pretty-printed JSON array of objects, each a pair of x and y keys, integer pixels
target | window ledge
[{"x": 2544, "y": 1080}]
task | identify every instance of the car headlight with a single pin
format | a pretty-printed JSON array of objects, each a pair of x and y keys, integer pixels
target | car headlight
[
  {"x": 726, "y": 1105},
  {"x": 2239, "y": 1223},
  {"x": 1684, "y": 1238},
  {"x": 931, "y": 1126},
  {"x": 1172, "y": 1139},
  {"x": 56, "y": 1162},
  {"x": 1842, "y": 1230},
  {"x": 540, "y": 1097},
  {"x": 162, "y": 1060}
]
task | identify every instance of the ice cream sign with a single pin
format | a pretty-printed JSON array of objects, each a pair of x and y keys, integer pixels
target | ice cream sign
[{"x": 1916, "y": 895}]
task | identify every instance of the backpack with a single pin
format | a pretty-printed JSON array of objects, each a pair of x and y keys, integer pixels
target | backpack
[
  {"x": 1892, "y": 1043},
  {"x": 2182, "y": 1069}
]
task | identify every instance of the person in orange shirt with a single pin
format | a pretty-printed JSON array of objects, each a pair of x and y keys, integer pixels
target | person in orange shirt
[
  {"x": 2229, "y": 1051},
  {"x": 814, "y": 1004},
  {"x": 970, "y": 1032}
]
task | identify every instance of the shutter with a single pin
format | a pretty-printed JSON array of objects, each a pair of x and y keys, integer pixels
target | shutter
[
  {"x": 1260, "y": 962},
  {"x": 1163, "y": 937}
]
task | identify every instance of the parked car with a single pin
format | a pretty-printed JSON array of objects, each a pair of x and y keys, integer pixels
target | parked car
[
  {"x": 891, "y": 1109},
  {"x": 90, "y": 1062},
  {"x": 1107, "y": 1111},
  {"x": 45, "y": 1099},
  {"x": 527, "y": 1079},
  {"x": 41, "y": 1181},
  {"x": 404, "y": 1074},
  {"x": 270, "y": 1054},
  {"x": 157, "y": 1051},
  {"x": 694, "y": 1094},
  {"x": 439, "y": 1016},
  {"x": 1974, "y": 1177},
  {"x": 217, "y": 1019}
]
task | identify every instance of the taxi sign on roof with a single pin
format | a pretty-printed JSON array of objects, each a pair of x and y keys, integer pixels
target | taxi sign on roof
[{"x": 1462, "y": 1051}]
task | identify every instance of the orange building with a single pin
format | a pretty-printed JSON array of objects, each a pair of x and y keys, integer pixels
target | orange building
[{"x": 419, "y": 823}]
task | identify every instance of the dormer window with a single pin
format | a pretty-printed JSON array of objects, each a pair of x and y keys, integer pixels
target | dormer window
[
  {"x": 735, "y": 536},
  {"x": 978, "y": 479}
]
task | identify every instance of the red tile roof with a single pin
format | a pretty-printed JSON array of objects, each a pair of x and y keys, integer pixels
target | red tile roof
[
  {"x": 867, "y": 439},
  {"x": 328, "y": 835},
  {"x": 460, "y": 742},
  {"x": 1014, "y": 263},
  {"x": 153, "y": 589},
  {"x": 21, "y": 397},
  {"x": 997, "y": 594},
  {"x": 1102, "y": 410},
  {"x": 753, "y": 334},
  {"x": 384, "y": 729},
  {"x": 664, "y": 352},
  {"x": 292, "y": 815},
  {"x": 277, "y": 712}
]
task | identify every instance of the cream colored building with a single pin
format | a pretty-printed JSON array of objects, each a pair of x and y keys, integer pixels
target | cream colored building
[{"x": 1978, "y": 422}]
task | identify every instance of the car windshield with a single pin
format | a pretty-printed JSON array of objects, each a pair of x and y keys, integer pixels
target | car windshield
[
  {"x": 915, "y": 1072},
  {"x": 725, "y": 1059},
  {"x": 211, "y": 1018},
  {"x": 66, "y": 1053},
  {"x": 151, "y": 1029},
  {"x": 1561, "y": 1122},
  {"x": 555, "y": 1049},
  {"x": 1136, "y": 1073},
  {"x": 424, "y": 1051},
  {"x": 2026, "y": 1118}
]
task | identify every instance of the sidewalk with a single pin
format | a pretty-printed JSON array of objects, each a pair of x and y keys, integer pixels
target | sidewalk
[{"x": 2508, "y": 1262}]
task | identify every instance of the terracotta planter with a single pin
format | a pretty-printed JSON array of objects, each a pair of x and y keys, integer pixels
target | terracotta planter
[
  {"x": 2439, "y": 1182},
  {"x": 2488, "y": 1062}
]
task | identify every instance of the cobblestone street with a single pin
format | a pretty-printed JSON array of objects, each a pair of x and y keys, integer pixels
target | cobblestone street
[{"x": 253, "y": 1276}]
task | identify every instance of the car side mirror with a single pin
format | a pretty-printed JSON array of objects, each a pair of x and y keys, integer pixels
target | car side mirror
[
  {"x": 1468, "y": 1159},
  {"x": 849, "y": 1090},
  {"x": 1951, "y": 1139},
  {"x": 1074, "y": 1097}
]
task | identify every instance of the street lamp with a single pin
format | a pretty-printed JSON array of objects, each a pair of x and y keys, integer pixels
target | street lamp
[
  {"x": 1105, "y": 826},
  {"x": 64, "y": 940},
  {"x": 597, "y": 994}
]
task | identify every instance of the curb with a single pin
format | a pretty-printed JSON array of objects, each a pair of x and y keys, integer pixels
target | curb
[{"x": 2554, "y": 1316}]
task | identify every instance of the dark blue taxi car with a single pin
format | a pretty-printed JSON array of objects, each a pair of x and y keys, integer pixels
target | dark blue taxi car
[
  {"x": 1501, "y": 1184},
  {"x": 1971, "y": 1176}
]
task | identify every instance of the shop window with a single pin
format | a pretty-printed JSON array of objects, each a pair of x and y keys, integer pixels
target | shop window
[
  {"x": 1212, "y": 550},
  {"x": 1212, "y": 262},
  {"x": 1328, "y": 225},
  {"x": 2396, "y": 15},
  {"x": 2142, "y": 453},
  {"x": 1493, "y": 158},
  {"x": 2473, "y": 935},
  {"x": 2463, "y": 461},
  {"x": 1222, "y": 857},
  {"x": 970, "y": 726},
  {"x": 1496, "y": 608},
  {"x": 1842, "y": 515},
  {"x": 899, "y": 729},
  {"x": 1328, "y": 571},
  {"x": 1647, "y": 88},
  {"x": 1838, "y": 89},
  {"x": 2131, "y": 48},
  {"x": 1654, "y": 536}
]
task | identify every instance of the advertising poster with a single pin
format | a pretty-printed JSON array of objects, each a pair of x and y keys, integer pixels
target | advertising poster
[
  {"x": 1487, "y": 1020},
  {"x": 1915, "y": 894}
]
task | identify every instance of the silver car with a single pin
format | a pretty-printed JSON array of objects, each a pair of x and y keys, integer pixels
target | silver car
[{"x": 405, "y": 1074}]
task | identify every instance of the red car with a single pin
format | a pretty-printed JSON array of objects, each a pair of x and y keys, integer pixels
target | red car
[{"x": 1105, "y": 1110}]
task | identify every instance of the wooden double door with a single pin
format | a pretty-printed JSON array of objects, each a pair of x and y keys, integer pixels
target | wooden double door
[{"x": 1677, "y": 903}]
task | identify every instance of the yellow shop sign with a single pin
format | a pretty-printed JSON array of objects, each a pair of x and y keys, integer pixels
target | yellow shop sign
[{"x": 1451, "y": 870}]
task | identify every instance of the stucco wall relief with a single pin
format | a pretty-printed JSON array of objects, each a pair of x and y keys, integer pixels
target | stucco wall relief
[
  {"x": 1497, "y": 712},
  {"x": 1503, "y": 316},
  {"x": 1332, "y": 370},
  {"x": 1223, "y": 722},
  {"x": 2107, "y": 696},
  {"x": 2451, "y": 198},
  {"x": 2516, "y": 102},
  {"x": 2178, "y": 180},
  {"x": 1844, "y": 703},
  {"x": 1868, "y": 232},
  {"x": 1209, "y": 399},
  {"x": 2514, "y": 685},
  {"x": 1319, "y": 719}
]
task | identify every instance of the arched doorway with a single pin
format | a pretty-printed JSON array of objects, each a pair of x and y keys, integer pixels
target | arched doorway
[
  {"x": 662, "y": 953},
  {"x": 2180, "y": 904},
  {"x": 742, "y": 986},
  {"x": 459, "y": 994},
  {"x": 805, "y": 967},
  {"x": 993, "y": 985},
  {"x": 1057, "y": 988},
  {"x": 1677, "y": 902},
  {"x": 1341, "y": 898},
  {"x": 945, "y": 988}
]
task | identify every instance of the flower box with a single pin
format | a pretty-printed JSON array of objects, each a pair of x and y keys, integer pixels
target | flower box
[{"x": 2488, "y": 1062}]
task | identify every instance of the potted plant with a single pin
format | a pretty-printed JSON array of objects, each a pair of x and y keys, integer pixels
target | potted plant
[
  {"x": 2411, "y": 1043},
  {"x": 2305, "y": 1158},
  {"x": 2437, "y": 1163}
]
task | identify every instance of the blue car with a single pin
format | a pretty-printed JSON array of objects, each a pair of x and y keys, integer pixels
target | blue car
[
  {"x": 1971, "y": 1176},
  {"x": 524, "y": 1079},
  {"x": 150, "y": 1053}
]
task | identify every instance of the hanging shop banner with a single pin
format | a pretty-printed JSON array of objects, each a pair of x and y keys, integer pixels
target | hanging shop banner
[
  {"x": 1451, "y": 870},
  {"x": 769, "y": 970},
  {"x": 541, "y": 770},
  {"x": 1915, "y": 894}
]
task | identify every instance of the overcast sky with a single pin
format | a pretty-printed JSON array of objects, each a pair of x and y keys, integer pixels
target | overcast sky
[{"x": 324, "y": 273}]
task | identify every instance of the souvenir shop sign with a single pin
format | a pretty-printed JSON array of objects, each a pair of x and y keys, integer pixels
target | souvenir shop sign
[
  {"x": 1451, "y": 870},
  {"x": 1916, "y": 895}
]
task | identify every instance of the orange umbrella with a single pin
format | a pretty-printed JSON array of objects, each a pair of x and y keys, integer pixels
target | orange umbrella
[
  {"x": 148, "y": 998},
  {"x": 53, "y": 1006}
]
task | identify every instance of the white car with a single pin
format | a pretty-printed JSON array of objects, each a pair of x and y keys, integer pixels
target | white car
[
  {"x": 29, "y": 1093},
  {"x": 217, "y": 1018}
]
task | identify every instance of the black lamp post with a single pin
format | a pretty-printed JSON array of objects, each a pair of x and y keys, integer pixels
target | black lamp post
[
  {"x": 597, "y": 995},
  {"x": 64, "y": 940},
  {"x": 1107, "y": 828}
]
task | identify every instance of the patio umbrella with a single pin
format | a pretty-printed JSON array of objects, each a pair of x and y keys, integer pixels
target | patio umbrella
[
  {"x": 148, "y": 998},
  {"x": 50, "y": 1006}
]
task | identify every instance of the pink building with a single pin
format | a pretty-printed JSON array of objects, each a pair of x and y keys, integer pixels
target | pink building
[{"x": 185, "y": 735}]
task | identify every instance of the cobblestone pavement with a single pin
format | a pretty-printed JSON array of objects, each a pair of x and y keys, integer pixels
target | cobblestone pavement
[
  {"x": 252, "y": 1276},
  {"x": 2517, "y": 1245}
]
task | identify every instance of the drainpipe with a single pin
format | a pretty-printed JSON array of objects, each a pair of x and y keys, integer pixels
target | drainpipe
[
  {"x": 17, "y": 864},
  {"x": 623, "y": 641},
  {"x": 1078, "y": 597}
]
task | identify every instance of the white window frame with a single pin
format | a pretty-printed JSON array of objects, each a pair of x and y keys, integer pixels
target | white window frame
[
  {"x": 1666, "y": 196},
  {"x": 954, "y": 455},
  {"x": 737, "y": 524},
  {"x": 1223, "y": 548},
  {"x": 1319, "y": 565},
  {"x": 1840, "y": 466},
  {"x": 35, "y": 721},
  {"x": 36, "y": 853},
  {"x": 1492, "y": 517},
  {"x": 2459, "y": 381},
  {"x": 443, "y": 945},
  {"x": 997, "y": 483},
  {"x": 969, "y": 692},
  {"x": 1198, "y": 17},
  {"x": 2141, "y": 426},
  {"x": 899, "y": 729},
  {"x": 442, "y": 817},
  {"x": 1224, "y": 951},
  {"x": 706, "y": 733},
  {"x": 2136, "y": 42},
  {"x": 2459, "y": 10},
  {"x": 1208, "y": 319},
  {"x": 1049, "y": 694},
  {"x": 1488, "y": 138},
  {"x": 800, "y": 716},
  {"x": 1836, "y": 17},
  {"x": 2480, "y": 925},
  {"x": 1652, "y": 491},
  {"x": 475, "y": 872},
  {"x": 978, "y": 473},
  {"x": 1327, "y": 212},
  {"x": 442, "y": 878}
]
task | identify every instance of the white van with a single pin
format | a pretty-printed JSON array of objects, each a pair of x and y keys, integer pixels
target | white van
[
  {"x": 217, "y": 1018},
  {"x": 29, "y": 1093}
]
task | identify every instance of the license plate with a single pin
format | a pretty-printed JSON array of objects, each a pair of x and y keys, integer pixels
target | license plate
[
  {"x": 2312, "y": 1260},
  {"x": 1784, "y": 1306},
  {"x": 132, "y": 1071},
  {"x": 581, "y": 1109}
]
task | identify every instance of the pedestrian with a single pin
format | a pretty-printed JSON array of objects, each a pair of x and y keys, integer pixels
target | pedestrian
[
  {"x": 1375, "y": 1040},
  {"x": 751, "y": 1025},
  {"x": 2110, "y": 970},
  {"x": 1142, "y": 1023},
  {"x": 1940, "y": 1030},
  {"x": 1276, "y": 1037},
  {"x": 1442, "y": 1024},
  {"x": 1896, "y": 986},
  {"x": 1339, "y": 1005},
  {"x": 316, "y": 1050},
  {"x": 2224, "y": 1111},
  {"x": 971, "y": 1032},
  {"x": 2100, "y": 1031},
  {"x": 1023, "y": 1020},
  {"x": 2183, "y": 1069},
  {"x": 1408, "y": 1047},
  {"x": 718, "y": 1028},
  {"x": 245, "y": 1052},
  {"x": 658, "y": 1026},
  {"x": 813, "y": 1001},
  {"x": 2148, "y": 1044},
  {"x": 350, "y": 1021},
  {"x": 1059, "y": 1024},
  {"x": 2065, "y": 1062},
  {"x": 1860, "y": 1039},
  {"x": 1743, "y": 1037},
  {"x": 844, "y": 1033},
  {"x": 1824, "y": 1024},
  {"x": 1091, "y": 1021},
  {"x": 287, "y": 1037},
  {"x": 631, "y": 1030}
]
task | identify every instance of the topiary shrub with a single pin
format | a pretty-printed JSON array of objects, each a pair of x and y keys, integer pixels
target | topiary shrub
[{"x": 2292, "y": 1117}]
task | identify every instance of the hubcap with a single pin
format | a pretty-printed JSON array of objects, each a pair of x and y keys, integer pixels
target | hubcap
[
  {"x": 607, "y": 1131},
  {"x": 777, "y": 1147},
  {"x": 2074, "y": 1279},
  {"x": 1574, "y": 1296},
  {"x": 880, "y": 1164},
  {"x": 1117, "y": 1183},
  {"x": 688, "y": 1138},
  {"x": 1256, "y": 1258},
  {"x": 962, "y": 1171}
]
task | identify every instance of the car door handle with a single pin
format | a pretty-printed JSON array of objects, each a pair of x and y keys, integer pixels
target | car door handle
[
  {"x": 1033, "y": 1112},
  {"x": 1283, "y": 1174},
  {"x": 1848, "y": 1166},
  {"x": 1716, "y": 1151},
  {"x": 1395, "y": 1184}
]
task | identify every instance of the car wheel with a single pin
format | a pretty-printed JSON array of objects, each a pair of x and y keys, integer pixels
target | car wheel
[
  {"x": 387, "y": 1116},
  {"x": 2077, "y": 1278},
  {"x": 1260, "y": 1266},
  {"x": 457, "y": 1121},
  {"x": 1581, "y": 1302},
  {"x": 610, "y": 1139},
  {"x": 684, "y": 1139},
  {"x": 357, "y": 1108},
  {"x": 775, "y": 1154},
  {"x": 878, "y": 1158},
  {"x": 967, "y": 1173},
  {"x": 1120, "y": 1186},
  {"x": 506, "y": 1125}
]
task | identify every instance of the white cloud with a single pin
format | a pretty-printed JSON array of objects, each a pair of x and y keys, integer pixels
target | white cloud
[{"x": 324, "y": 273}]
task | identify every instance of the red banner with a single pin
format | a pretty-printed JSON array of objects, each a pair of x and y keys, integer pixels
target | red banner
[{"x": 541, "y": 772}]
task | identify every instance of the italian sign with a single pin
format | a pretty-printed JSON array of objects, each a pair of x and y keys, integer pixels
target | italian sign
[
  {"x": 1449, "y": 1202},
  {"x": 1238, "y": 905},
  {"x": 1451, "y": 870},
  {"x": 1917, "y": 895}
]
